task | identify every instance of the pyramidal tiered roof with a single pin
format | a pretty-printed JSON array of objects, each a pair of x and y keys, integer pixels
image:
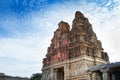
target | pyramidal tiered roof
[{"x": 67, "y": 44}]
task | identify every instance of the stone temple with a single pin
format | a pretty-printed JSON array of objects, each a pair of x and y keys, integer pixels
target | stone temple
[{"x": 73, "y": 51}]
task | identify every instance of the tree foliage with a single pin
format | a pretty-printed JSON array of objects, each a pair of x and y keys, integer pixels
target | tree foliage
[{"x": 36, "y": 76}]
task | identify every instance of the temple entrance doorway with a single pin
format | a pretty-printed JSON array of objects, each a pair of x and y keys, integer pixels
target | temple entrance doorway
[{"x": 60, "y": 73}]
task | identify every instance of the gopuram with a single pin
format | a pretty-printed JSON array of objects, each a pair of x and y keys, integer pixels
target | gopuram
[{"x": 73, "y": 51}]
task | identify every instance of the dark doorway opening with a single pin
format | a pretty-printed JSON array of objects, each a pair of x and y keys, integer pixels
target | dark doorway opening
[
  {"x": 60, "y": 73},
  {"x": 116, "y": 72}
]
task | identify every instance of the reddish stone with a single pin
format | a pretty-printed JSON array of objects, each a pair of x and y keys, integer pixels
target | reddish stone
[{"x": 80, "y": 40}]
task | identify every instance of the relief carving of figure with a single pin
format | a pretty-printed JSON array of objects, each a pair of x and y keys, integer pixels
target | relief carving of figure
[{"x": 83, "y": 50}]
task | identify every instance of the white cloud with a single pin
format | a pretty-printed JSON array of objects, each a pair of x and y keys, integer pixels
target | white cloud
[
  {"x": 24, "y": 55},
  {"x": 107, "y": 26}
]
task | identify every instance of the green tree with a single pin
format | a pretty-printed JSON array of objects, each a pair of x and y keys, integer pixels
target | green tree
[{"x": 36, "y": 76}]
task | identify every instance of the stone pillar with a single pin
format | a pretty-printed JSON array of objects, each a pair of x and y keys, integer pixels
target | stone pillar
[
  {"x": 55, "y": 74},
  {"x": 65, "y": 72},
  {"x": 52, "y": 74},
  {"x": 105, "y": 75},
  {"x": 89, "y": 75},
  {"x": 99, "y": 77},
  {"x": 94, "y": 76},
  {"x": 113, "y": 77}
]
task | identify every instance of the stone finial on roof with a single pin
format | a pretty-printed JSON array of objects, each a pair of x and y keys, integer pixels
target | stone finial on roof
[{"x": 78, "y": 15}]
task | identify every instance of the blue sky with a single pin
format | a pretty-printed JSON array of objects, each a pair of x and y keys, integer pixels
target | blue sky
[{"x": 27, "y": 26}]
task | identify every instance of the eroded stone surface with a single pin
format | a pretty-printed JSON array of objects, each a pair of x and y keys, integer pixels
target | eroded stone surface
[
  {"x": 75, "y": 50},
  {"x": 80, "y": 40}
]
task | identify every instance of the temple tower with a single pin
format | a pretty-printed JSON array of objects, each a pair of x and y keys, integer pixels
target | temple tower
[{"x": 73, "y": 52}]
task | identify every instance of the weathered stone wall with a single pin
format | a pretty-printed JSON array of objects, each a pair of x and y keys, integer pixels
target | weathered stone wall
[{"x": 74, "y": 50}]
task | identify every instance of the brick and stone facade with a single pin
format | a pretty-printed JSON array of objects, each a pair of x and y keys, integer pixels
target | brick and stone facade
[{"x": 73, "y": 51}]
